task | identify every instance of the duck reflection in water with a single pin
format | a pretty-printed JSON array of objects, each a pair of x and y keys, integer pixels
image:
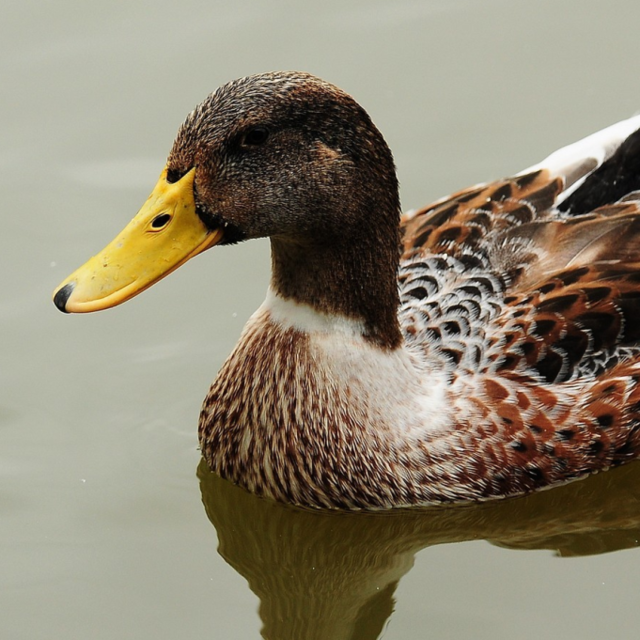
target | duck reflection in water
[{"x": 332, "y": 576}]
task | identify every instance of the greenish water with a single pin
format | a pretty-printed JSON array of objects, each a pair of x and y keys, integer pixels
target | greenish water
[{"x": 104, "y": 534}]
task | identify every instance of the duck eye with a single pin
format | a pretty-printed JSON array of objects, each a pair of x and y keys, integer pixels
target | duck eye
[
  {"x": 255, "y": 136},
  {"x": 160, "y": 221}
]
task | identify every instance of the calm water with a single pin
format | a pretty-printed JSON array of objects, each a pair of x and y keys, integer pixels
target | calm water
[{"x": 104, "y": 534}]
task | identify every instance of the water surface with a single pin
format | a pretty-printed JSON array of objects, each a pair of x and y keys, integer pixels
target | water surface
[{"x": 104, "y": 530}]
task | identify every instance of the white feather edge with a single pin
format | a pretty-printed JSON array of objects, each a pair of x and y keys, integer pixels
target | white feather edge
[{"x": 599, "y": 146}]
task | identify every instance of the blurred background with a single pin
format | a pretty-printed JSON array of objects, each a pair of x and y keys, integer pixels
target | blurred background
[{"x": 103, "y": 530}]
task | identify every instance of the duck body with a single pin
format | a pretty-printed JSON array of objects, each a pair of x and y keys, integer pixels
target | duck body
[{"x": 483, "y": 347}]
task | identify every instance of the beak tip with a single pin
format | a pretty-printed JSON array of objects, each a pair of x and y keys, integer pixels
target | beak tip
[{"x": 62, "y": 296}]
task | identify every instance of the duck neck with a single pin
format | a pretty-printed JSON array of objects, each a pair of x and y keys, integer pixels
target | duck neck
[{"x": 353, "y": 279}]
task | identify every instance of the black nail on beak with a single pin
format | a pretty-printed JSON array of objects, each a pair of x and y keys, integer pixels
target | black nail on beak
[{"x": 60, "y": 299}]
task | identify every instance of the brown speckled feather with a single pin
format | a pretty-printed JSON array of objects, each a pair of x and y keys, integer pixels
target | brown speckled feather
[
  {"x": 555, "y": 378},
  {"x": 466, "y": 219}
]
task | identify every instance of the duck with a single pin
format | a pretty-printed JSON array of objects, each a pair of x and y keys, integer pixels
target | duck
[{"x": 482, "y": 347}]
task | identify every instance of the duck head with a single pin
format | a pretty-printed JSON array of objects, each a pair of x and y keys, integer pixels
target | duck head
[{"x": 279, "y": 155}]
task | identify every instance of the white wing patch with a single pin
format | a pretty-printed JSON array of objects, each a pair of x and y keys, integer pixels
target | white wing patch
[{"x": 577, "y": 161}]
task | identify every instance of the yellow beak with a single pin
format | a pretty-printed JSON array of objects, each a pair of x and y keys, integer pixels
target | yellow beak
[{"x": 164, "y": 234}]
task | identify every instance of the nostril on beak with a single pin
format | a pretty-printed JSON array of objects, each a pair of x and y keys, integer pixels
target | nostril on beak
[{"x": 62, "y": 295}]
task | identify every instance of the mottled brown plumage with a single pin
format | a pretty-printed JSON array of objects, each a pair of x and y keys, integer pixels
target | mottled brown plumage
[
  {"x": 530, "y": 313},
  {"x": 483, "y": 347}
]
